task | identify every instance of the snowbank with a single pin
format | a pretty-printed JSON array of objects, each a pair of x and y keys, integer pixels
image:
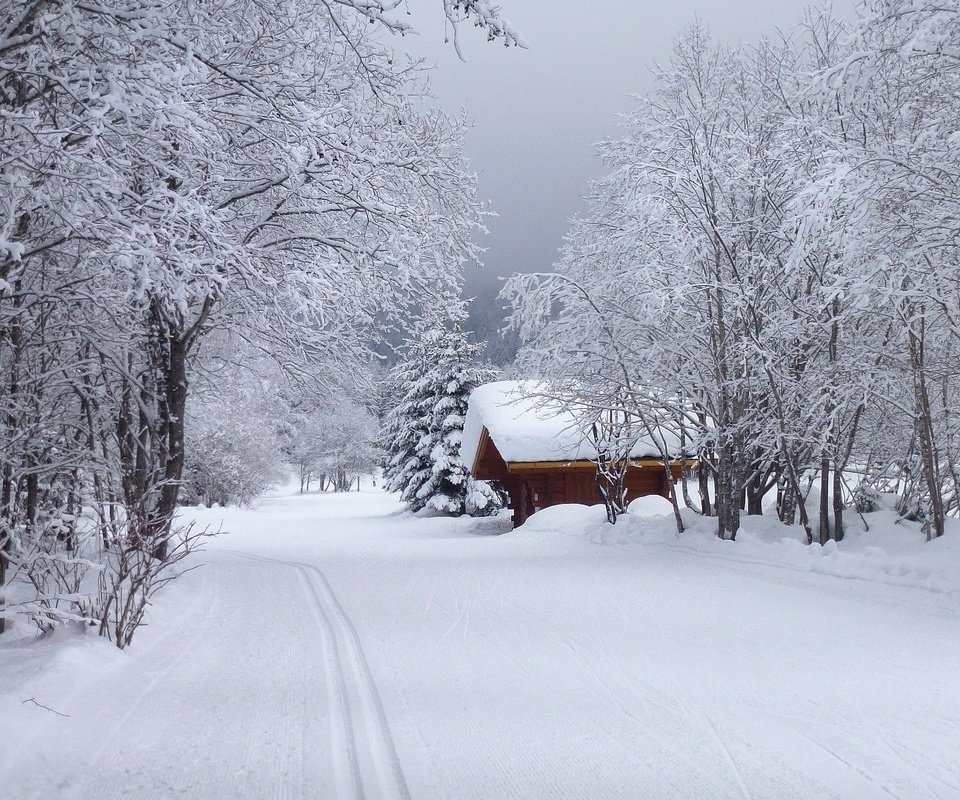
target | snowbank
[
  {"x": 892, "y": 551},
  {"x": 650, "y": 505}
]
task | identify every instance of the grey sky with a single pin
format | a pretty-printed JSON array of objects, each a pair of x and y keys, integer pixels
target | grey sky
[{"x": 538, "y": 112}]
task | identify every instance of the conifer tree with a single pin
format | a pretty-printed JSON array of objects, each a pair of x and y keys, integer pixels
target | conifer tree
[
  {"x": 405, "y": 422},
  {"x": 423, "y": 432}
]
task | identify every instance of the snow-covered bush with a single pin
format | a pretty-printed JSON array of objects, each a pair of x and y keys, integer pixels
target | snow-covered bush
[
  {"x": 484, "y": 498},
  {"x": 134, "y": 570},
  {"x": 867, "y": 499}
]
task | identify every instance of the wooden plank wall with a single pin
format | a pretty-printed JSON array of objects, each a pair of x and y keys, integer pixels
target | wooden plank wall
[{"x": 532, "y": 490}]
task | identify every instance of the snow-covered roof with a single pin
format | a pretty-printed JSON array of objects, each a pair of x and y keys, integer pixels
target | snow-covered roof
[{"x": 526, "y": 427}]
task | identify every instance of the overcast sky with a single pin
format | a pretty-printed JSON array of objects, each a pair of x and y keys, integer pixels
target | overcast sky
[{"x": 537, "y": 112}]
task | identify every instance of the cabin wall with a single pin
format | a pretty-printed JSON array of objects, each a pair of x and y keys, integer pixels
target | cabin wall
[{"x": 532, "y": 490}]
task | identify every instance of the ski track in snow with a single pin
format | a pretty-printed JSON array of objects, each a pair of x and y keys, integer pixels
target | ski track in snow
[{"x": 359, "y": 728}]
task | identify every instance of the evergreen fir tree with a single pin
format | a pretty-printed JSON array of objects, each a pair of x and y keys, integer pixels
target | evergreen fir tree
[
  {"x": 453, "y": 374},
  {"x": 405, "y": 422},
  {"x": 422, "y": 434}
]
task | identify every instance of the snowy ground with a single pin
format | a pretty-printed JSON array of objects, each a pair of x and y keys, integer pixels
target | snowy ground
[{"x": 333, "y": 647}]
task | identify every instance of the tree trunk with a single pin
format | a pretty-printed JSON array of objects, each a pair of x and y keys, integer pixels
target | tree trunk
[
  {"x": 837, "y": 504},
  {"x": 824, "y": 499},
  {"x": 671, "y": 488},
  {"x": 175, "y": 380},
  {"x": 727, "y": 493},
  {"x": 786, "y": 501},
  {"x": 151, "y": 435},
  {"x": 610, "y": 485},
  {"x": 6, "y": 515},
  {"x": 755, "y": 493},
  {"x": 793, "y": 494},
  {"x": 703, "y": 485},
  {"x": 935, "y": 517},
  {"x": 4, "y": 542},
  {"x": 685, "y": 490},
  {"x": 14, "y": 336}
]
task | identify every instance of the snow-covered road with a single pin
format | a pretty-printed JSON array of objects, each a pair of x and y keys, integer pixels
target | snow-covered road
[{"x": 332, "y": 647}]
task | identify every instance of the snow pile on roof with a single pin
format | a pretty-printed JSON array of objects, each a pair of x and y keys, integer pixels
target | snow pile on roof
[{"x": 526, "y": 427}]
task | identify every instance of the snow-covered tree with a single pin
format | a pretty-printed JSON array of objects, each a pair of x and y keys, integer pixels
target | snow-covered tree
[
  {"x": 168, "y": 172},
  {"x": 234, "y": 433},
  {"x": 663, "y": 287},
  {"x": 405, "y": 420},
  {"x": 774, "y": 247},
  {"x": 423, "y": 431},
  {"x": 348, "y": 433},
  {"x": 884, "y": 199}
]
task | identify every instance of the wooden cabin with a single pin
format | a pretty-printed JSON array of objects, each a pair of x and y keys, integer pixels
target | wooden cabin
[{"x": 537, "y": 452}]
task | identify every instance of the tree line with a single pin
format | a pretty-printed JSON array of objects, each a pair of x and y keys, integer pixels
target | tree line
[
  {"x": 265, "y": 175},
  {"x": 769, "y": 268}
]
